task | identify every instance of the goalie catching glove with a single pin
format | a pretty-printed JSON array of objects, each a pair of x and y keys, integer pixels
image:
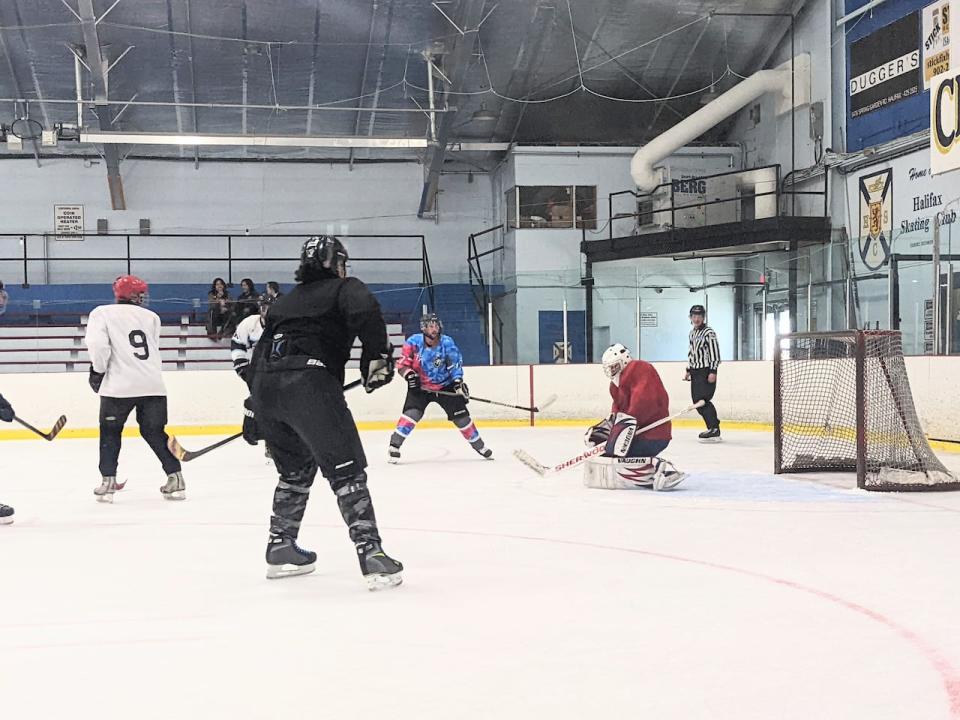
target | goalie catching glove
[
  {"x": 598, "y": 434},
  {"x": 378, "y": 371}
]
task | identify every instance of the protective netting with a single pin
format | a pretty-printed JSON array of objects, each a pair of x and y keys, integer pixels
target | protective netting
[{"x": 843, "y": 402}]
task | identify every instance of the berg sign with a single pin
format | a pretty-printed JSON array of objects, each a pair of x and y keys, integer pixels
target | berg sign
[{"x": 945, "y": 122}]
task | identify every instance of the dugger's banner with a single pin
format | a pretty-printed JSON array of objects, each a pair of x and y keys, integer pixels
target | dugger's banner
[{"x": 945, "y": 122}]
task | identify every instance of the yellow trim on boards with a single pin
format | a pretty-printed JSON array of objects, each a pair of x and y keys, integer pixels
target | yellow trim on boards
[{"x": 188, "y": 430}]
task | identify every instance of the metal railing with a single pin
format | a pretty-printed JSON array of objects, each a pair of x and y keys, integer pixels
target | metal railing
[
  {"x": 228, "y": 258},
  {"x": 779, "y": 192},
  {"x": 484, "y": 300}
]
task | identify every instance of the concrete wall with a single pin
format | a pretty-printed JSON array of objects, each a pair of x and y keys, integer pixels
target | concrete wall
[
  {"x": 211, "y": 399},
  {"x": 220, "y": 197}
]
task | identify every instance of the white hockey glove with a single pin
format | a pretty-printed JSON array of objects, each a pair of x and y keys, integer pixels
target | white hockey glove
[
  {"x": 621, "y": 434},
  {"x": 598, "y": 434},
  {"x": 378, "y": 371}
]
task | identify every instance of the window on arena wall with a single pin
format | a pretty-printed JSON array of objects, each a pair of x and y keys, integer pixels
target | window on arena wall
[
  {"x": 585, "y": 199},
  {"x": 513, "y": 221}
]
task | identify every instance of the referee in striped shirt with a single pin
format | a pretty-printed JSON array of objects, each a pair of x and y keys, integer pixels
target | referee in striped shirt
[{"x": 703, "y": 359}]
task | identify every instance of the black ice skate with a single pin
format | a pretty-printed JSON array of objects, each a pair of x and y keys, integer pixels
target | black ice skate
[
  {"x": 6, "y": 514},
  {"x": 711, "y": 435},
  {"x": 285, "y": 558},
  {"x": 174, "y": 488},
  {"x": 393, "y": 455},
  {"x": 485, "y": 452},
  {"x": 380, "y": 570},
  {"x": 108, "y": 486}
]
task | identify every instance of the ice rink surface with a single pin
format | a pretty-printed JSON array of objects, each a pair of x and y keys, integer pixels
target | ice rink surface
[{"x": 739, "y": 595}]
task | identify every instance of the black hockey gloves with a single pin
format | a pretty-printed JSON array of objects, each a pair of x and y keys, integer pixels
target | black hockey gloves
[
  {"x": 413, "y": 380},
  {"x": 250, "y": 433},
  {"x": 6, "y": 410},
  {"x": 460, "y": 388},
  {"x": 377, "y": 371},
  {"x": 240, "y": 367},
  {"x": 95, "y": 379}
]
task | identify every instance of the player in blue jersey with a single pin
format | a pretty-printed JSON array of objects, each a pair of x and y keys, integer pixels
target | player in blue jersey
[{"x": 432, "y": 367}]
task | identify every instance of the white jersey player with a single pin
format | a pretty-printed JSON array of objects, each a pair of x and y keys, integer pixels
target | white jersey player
[
  {"x": 123, "y": 341},
  {"x": 246, "y": 337}
]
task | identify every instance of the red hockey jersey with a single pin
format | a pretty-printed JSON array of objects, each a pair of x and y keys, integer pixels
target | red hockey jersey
[{"x": 640, "y": 393}]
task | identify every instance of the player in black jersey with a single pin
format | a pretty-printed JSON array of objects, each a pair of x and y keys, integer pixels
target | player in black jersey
[
  {"x": 6, "y": 415},
  {"x": 297, "y": 406}
]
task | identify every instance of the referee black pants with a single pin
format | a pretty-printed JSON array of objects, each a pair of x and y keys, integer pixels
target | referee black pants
[{"x": 702, "y": 389}]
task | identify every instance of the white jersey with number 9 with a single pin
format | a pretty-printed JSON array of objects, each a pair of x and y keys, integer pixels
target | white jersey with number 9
[{"x": 123, "y": 341}]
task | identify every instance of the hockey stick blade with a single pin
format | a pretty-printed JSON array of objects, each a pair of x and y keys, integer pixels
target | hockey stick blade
[
  {"x": 49, "y": 436},
  {"x": 546, "y": 403},
  {"x": 178, "y": 451},
  {"x": 184, "y": 455},
  {"x": 544, "y": 470}
]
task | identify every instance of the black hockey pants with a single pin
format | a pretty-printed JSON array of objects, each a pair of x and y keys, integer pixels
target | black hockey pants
[
  {"x": 303, "y": 417},
  {"x": 152, "y": 419},
  {"x": 700, "y": 389}
]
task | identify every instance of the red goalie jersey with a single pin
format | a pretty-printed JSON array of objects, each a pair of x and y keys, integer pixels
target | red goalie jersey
[{"x": 638, "y": 391}]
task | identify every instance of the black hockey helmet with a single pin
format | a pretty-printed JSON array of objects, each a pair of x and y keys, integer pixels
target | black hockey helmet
[
  {"x": 265, "y": 301},
  {"x": 322, "y": 256},
  {"x": 431, "y": 318},
  {"x": 698, "y": 310}
]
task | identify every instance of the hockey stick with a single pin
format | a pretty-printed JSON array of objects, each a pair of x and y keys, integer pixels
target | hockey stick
[
  {"x": 536, "y": 408},
  {"x": 54, "y": 431},
  {"x": 543, "y": 470},
  {"x": 184, "y": 455}
]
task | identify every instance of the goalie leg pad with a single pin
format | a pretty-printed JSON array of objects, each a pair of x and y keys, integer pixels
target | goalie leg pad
[{"x": 614, "y": 473}]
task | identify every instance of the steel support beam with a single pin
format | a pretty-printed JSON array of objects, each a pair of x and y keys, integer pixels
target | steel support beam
[
  {"x": 458, "y": 62},
  {"x": 98, "y": 72}
]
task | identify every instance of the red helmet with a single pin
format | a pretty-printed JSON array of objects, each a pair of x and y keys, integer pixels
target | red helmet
[{"x": 129, "y": 287}]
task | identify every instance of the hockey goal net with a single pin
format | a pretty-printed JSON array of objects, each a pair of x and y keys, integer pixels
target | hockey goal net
[{"x": 842, "y": 401}]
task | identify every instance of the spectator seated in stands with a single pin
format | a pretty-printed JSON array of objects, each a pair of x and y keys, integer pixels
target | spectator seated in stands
[
  {"x": 273, "y": 289},
  {"x": 3, "y": 299},
  {"x": 246, "y": 304},
  {"x": 219, "y": 310}
]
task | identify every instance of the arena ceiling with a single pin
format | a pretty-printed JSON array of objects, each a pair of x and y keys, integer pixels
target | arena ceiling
[{"x": 532, "y": 71}]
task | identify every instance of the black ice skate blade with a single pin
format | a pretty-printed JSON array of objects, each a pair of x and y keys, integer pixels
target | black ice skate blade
[
  {"x": 6, "y": 520},
  {"x": 710, "y": 440},
  {"x": 382, "y": 581},
  {"x": 276, "y": 572}
]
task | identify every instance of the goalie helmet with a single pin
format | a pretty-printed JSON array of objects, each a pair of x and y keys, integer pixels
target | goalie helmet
[
  {"x": 129, "y": 289},
  {"x": 615, "y": 359},
  {"x": 322, "y": 256}
]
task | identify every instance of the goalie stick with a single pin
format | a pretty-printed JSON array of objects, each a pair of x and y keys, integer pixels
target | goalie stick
[
  {"x": 184, "y": 455},
  {"x": 49, "y": 436},
  {"x": 536, "y": 408},
  {"x": 543, "y": 470}
]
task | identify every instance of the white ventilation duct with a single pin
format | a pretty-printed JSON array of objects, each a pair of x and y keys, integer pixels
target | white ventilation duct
[{"x": 642, "y": 166}]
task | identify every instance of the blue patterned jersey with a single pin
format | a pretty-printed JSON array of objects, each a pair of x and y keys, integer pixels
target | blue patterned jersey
[{"x": 437, "y": 366}]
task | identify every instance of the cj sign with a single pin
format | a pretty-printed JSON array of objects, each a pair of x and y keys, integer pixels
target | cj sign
[{"x": 945, "y": 122}]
